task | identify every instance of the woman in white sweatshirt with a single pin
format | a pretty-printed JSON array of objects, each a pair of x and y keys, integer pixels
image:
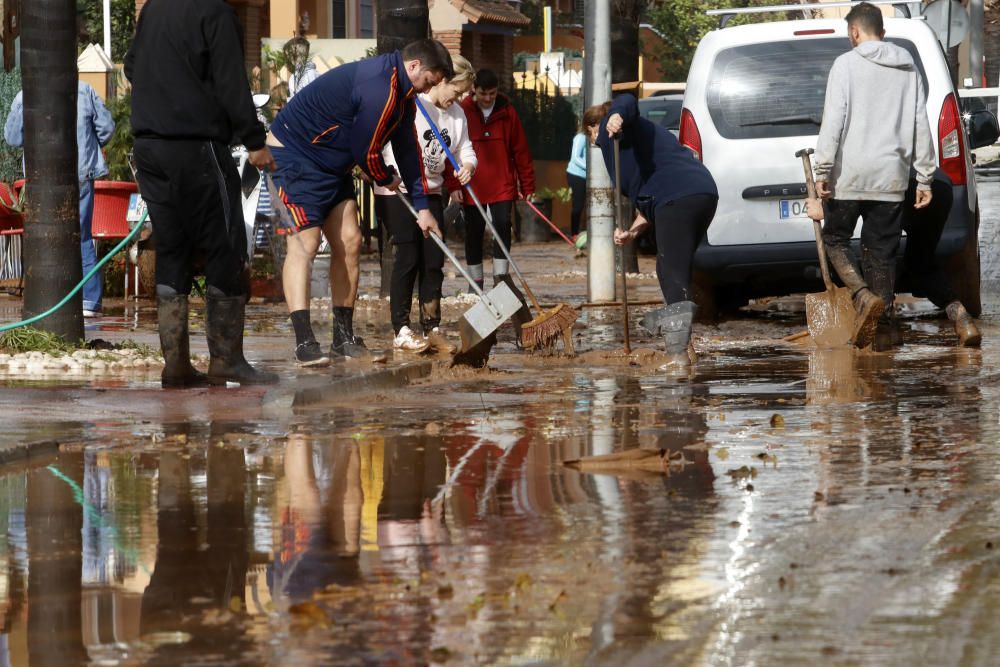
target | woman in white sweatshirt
[{"x": 418, "y": 260}]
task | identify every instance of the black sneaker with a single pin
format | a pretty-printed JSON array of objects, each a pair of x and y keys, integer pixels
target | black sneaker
[
  {"x": 310, "y": 355},
  {"x": 354, "y": 349}
]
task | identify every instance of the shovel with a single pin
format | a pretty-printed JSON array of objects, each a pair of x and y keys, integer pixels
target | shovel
[
  {"x": 477, "y": 326},
  {"x": 830, "y": 314}
]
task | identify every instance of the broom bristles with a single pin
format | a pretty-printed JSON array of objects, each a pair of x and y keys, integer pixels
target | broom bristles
[{"x": 548, "y": 326}]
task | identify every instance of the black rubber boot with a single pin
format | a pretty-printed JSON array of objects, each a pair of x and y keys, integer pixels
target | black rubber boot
[
  {"x": 224, "y": 318},
  {"x": 172, "y": 318},
  {"x": 523, "y": 315},
  {"x": 674, "y": 322}
]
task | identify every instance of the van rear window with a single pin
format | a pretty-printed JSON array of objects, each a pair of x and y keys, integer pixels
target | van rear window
[{"x": 777, "y": 89}]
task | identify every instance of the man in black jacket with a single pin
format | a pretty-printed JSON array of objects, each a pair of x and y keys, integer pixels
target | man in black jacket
[{"x": 190, "y": 101}]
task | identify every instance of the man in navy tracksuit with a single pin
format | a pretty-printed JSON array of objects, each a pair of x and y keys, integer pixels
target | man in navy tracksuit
[{"x": 345, "y": 118}]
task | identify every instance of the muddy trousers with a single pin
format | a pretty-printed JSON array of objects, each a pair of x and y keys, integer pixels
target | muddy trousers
[
  {"x": 923, "y": 229},
  {"x": 680, "y": 226},
  {"x": 880, "y": 232},
  {"x": 418, "y": 261},
  {"x": 475, "y": 231},
  {"x": 192, "y": 190}
]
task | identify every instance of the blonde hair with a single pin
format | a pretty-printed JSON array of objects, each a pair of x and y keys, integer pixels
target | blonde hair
[{"x": 464, "y": 72}]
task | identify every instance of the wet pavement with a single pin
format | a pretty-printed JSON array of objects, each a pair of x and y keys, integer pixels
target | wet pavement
[{"x": 820, "y": 506}]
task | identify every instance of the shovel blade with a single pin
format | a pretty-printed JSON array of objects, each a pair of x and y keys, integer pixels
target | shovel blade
[
  {"x": 830, "y": 317},
  {"x": 480, "y": 321}
]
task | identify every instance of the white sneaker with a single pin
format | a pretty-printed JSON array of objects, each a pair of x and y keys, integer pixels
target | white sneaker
[
  {"x": 407, "y": 341},
  {"x": 92, "y": 313}
]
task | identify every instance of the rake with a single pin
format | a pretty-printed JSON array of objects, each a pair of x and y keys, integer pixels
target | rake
[{"x": 543, "y": 330}]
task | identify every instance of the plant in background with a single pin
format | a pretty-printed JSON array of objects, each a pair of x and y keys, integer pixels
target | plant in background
[
  {"x": 90, "y": 15},
  {"x": 11, "y": 158},
  {"x": 563, "y": 194}
]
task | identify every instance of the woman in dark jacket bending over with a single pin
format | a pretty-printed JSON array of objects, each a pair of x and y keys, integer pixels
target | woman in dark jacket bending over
[{"x": 669, "y": 187}]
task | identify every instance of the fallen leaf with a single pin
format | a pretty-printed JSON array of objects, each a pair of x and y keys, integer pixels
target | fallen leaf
[
  {"x": 722, "y": 453},
  {"x": 777, "y": 421}
]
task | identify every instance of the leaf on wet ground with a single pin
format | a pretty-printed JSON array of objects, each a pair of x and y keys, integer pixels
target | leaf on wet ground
[
  {"x": 722, "y": 453},
  {"x": 440, "y": 654},
  {"x": 768, "y": 458},
  {"x": 433, "y": 428},
  {"x": 522, "y": 581},
  {"x": 643, "y": 460},
  {"x": 559, "y": 598},
  {"x": 742, "y": 473},
  {"x": 777, "y": 421},
  {"x": 445, "y": 592}
]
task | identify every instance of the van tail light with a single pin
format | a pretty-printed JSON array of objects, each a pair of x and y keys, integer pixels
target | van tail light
[
  {"x": 951, "y": 141},
  {"x": 689, "y": 135}
]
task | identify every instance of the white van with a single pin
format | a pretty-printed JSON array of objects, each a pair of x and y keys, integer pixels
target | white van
[{"x": 754, "y": 97}]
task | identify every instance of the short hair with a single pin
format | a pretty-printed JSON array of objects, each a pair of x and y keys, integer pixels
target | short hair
[
  {"x": 867, "y": 18},
  {"x": 296, "y": 51},
  {"x": 595, "y": 114},
  {"x": 432, "y": 56},
  {"x": 464, "y": 73},
  {"x": 487, "y": 79}
]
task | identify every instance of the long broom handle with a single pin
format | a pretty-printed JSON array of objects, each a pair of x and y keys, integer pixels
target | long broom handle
[
  {"x": 487, "y": 218},
  {"x": 548, "y": 222},
  {"x": 621, "y": 249},
  {"x": 817, "y": 230},
  {"x": 451, "y": 256}
]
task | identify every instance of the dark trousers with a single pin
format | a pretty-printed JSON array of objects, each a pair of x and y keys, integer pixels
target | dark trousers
[
  {"x": 475, "y": 229},
  {"x": 923, "y": 229},
  {"x": 680, "y": 226},
  {"x": 418, "y": 261},
  {"x": 192, "y": 191},
  {"x": 880, "y": 233},
  {"x": 578, "y": 188}
]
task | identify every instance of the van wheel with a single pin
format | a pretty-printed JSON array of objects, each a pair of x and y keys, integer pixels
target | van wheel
[{"x": 963, "y": 267}]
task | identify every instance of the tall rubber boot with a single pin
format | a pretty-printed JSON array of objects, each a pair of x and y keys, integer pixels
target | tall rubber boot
[
  {"x": 523, "y": 314},
  {"x": 965, "y": 326},
  {"x": 224, "y": 318},
  {"x": 842, "y": 261},
  {"x": 674, "y": 323},
  {"x": 172, "y": 322}
]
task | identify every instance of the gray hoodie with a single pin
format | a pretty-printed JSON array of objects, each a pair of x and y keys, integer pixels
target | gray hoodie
[{"x": 874, "y": 125}]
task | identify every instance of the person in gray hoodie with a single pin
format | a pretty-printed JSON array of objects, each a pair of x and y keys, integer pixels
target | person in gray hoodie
[{"x": 874, "y": 130}]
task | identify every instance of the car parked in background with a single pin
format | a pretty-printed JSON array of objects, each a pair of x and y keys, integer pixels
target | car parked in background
[
  {"x": 754, "y": 97},
  {"x": 664, "y": 110}
]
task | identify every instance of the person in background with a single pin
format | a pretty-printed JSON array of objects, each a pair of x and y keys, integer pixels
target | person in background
[
  {"x": 94, "y": 127},
  {"x": 419, "y": 259},
  {"x": 190, "y": 98},
  {"x": 505, "y": 171},
  {"x": 576, "y": 175},
  {"x": 303, "y": 70}
]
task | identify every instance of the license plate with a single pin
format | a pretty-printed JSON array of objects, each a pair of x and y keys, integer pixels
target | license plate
[
  {"x": 792, "y": 209},
  {"x": 136, "y": 208}
]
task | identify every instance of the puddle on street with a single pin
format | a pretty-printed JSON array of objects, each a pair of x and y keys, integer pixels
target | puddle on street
[{"x": 828, "y": 506}]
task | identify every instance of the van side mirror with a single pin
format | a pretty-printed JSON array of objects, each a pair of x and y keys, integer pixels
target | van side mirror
[{"x": 983, "y": 128}]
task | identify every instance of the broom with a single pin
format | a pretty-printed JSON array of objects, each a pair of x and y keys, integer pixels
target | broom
[{"x": 542, "y": 331}]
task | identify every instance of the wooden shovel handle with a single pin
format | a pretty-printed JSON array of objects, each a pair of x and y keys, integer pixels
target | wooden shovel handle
[{"x": 817, "y": 230}]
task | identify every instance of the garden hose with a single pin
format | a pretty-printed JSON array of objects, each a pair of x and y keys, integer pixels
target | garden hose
[{"x": 104, "y": 260}]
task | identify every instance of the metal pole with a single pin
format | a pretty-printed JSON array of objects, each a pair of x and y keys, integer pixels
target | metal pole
[
  {"x": 600, "y": 195},
  {"x": 977, "y": 23},
  {"x": 107, "y": 29}
]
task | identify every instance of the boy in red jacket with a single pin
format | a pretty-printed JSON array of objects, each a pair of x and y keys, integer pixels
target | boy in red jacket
[{"x": 505, "y": 170}]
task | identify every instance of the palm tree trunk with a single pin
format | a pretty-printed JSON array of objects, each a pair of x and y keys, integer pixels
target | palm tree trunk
[
  {"x": 399, "y": 23},
  {"x": 52, "y": 263}
]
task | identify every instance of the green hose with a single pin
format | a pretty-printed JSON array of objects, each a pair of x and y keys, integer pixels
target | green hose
[{"x": 104, "y": 260}]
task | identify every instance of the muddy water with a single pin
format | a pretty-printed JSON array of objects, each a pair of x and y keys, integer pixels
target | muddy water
[{"x": 830, "y": 507}]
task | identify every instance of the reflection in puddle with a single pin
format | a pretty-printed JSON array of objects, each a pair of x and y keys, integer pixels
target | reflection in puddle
[{"x": 450, "y": 530}]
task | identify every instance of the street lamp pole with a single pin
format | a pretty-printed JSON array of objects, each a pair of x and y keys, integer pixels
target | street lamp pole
[
  {"x": 600, "y": 193},
  {"x": 107, "y": 29}
]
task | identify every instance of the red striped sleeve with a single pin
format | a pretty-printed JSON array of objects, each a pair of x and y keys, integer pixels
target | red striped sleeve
[{"x": 382, "y": 130}]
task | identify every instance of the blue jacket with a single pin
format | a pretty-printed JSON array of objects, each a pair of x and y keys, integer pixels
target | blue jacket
[
  {"x": 346, "y": 117},
  {"x": 655, "y": 168},
  {"x": 578, "y": 156},
  {"x": 94, "y": 127}
]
